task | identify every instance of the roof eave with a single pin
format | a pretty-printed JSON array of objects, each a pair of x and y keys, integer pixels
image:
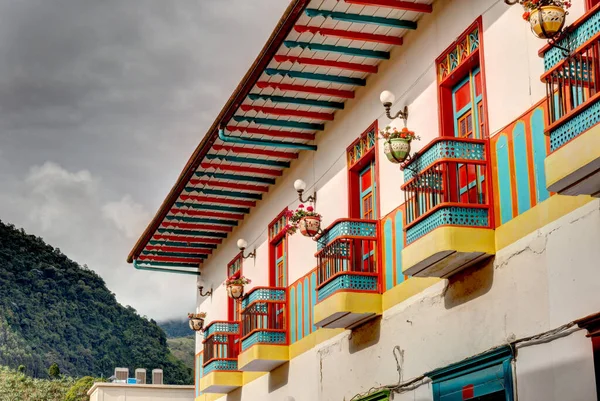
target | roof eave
[{"x": 276, "y": 39}]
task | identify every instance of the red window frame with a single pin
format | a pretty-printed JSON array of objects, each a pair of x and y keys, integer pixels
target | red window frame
[
  {"x": 589, "y": 4},
  {"x": 277, "y": 233},
  {"x": 469, "y": 61},
  {"x": 355, "y": 167},
  {"x": 234, "y": 305}
]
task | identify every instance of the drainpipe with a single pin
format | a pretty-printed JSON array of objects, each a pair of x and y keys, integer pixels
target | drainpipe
[
  {"x": 158, "y": 269},
  {"x": 264, "y": 142}
]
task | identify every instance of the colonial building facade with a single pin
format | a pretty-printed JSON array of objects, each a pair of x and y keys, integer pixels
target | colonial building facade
[{"x": 468, "y": 270}]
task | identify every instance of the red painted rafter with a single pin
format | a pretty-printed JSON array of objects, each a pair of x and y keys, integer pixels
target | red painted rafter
[
  {"x": 353, "y": 35},
  {"x": 194, "y": 226},
  {"x": 397, "y": 4},
  {"x": 308, "y": 89},
  {"x": 288, "y": 112},
  {"x": 273, "y": 133},
  {"x": 195, "y": 240},
  {"x": 202, "y": 213},
  {"x": 254, "y": 151},
  {"x": 220, "y": 201},
  {"x": 243, "y": 169},
  {"x": 152, "y": 258},
  {"x": 181, "y": 249},
  {"x": 328, "y": 63},
  {"x": 230, "y": 185}
]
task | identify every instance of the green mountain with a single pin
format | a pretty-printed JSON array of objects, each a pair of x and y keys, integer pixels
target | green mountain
[
  {"x": 54, "y": 311},
  {"x": 183, "y": 348},
  {"x": 176, "y": 328}
]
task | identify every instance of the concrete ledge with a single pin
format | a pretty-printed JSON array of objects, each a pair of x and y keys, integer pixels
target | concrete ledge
[
  {"x": 345, "y": 309},
  {"x": 574, "y": 169},
  {"x": 447, "y": 250},
  {"x": 263, "y": 357},
  {"x": 221, "y": 382}
]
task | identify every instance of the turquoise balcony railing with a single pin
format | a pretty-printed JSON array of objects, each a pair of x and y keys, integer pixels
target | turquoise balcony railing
[
  {"x": 347, "y": 258},
  {"x": 572, "y": 81},
  {"x": 221, "y": 346},
  {"x": 445, "y": 184},
  {"x": 264, "y": 317}
]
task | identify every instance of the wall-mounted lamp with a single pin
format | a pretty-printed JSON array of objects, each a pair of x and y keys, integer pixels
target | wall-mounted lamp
[
  {"x": 242, "y": 245},
  {"x": 201, "y": 291},
  {"x": 300, "y": 186},
  {"x": 387, "y": 98}
]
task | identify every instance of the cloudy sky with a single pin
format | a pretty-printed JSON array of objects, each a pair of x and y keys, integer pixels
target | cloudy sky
[{"x": 101, "y": 104}]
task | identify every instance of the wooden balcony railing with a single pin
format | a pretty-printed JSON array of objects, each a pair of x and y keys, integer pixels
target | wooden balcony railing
[
  {"x": 264, "y": 317},
  {"x": 572, "y": 80},
  {"x": 347, "y": 258},
  {"x": 445, "y": 184},
  {"x": 221, "y": 346}
]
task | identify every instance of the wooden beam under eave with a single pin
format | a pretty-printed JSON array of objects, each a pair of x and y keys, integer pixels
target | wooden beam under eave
[{"x": 396, "y": 4}]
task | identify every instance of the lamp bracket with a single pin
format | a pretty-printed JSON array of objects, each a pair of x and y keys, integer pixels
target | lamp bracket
[
  {"x": 208, "y": 293},
  {"x": 403, "y": 114}
]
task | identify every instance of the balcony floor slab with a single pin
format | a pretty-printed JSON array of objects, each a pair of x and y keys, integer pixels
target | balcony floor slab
[
  {"x": 574, "y": 169},
  {"x": 346, "y": 309},
  {"x": 447, "y": 250},
  {"x": 263, "y": 357},
  {"x": 221, "y": 382}
]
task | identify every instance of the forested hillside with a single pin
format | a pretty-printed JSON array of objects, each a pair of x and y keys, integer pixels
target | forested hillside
[
  {"x": 53, "y": 310},
  {"x": 176, "y": 328}
]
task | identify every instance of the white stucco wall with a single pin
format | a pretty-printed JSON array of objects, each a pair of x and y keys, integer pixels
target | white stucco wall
[
  {"x": 140, "y": 392},
  {"x": 542, "y": 281}
]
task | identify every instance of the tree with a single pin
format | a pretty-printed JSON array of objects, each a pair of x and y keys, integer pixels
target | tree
[
  {"x": 78, "y": 391},
  {"x": 21, "y": 369},
  {"x": 54, "y": 371}
]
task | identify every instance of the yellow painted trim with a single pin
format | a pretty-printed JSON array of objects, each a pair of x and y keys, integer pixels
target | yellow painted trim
[
  {"x": 234, "y": 379},
  {"x": 312, "y": 340},
  {"x": 263, "y": 352},
  {"x": 209, "y": 397},
  {"x": 249, "y": 377},
  {"x": 537, "y": 217},
  {"x": 343, "y": 301},
  {"x": 406, "y": 289},
  {"x": 579, "y": 152},
  {"x": 460, "y": 239}
]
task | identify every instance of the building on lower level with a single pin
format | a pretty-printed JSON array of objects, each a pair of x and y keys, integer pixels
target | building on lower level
[{"x": 470, "y": 271}]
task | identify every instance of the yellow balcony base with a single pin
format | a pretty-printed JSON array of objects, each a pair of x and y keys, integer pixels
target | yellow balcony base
[
  {"x": 574, "y": 169},
  {"x": 263, "y": 358},
  {"x": 447, "y": 250},
  {"x": 221, "y": 382},
  {"x": 345, "y": 309}
]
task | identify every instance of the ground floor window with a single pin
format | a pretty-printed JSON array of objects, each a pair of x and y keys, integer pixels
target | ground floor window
[{"x": 487, "y": 377}]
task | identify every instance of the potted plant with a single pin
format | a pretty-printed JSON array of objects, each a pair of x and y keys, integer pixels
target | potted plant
[
  {"x": 197, "y": 320},
  {"x": 235, "y": 286},
  {"x": 546, "y": 17},
  {"x": 397, "y": 143},
  {"x": 304, "y": 219}
]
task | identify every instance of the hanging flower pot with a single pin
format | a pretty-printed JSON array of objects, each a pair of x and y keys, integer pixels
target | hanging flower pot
[
  {"x": 396, "y": 149},
  {"x": 197, "y": 320},
  {"x": 547, "y": 21},
  {"x": 306, "y": 220},
  {"x": 235, "y": 287},
  {"x": 309, "y": 226},
  {"x": 397, "y": 143},
  {"x": 546, "y": 17}
]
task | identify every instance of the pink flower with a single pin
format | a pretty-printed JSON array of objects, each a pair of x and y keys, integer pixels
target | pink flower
[
  {"x": 310, "y": 209},
  {"x": 301, "y": 206}
]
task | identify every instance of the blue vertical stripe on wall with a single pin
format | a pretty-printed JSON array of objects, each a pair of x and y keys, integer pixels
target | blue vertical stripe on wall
[
  {"x": 313, "y": 298},
  {"x": 539, "y": 154},
  {"x": 521, "y": 168},
  {"x": 299, "y": 310},
  {"x": 399, "y": 241},
  {"x": 292, "y": 315},
  {"x": 504, "y": 186},
  {"x": 306, "y": 308},
  {"x": 389, "y": 258}
]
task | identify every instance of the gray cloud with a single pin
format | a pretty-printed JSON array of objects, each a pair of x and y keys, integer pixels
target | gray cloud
[{"x": 101, "y": 104}]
